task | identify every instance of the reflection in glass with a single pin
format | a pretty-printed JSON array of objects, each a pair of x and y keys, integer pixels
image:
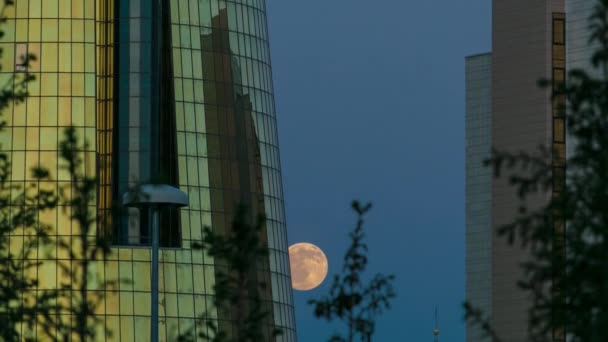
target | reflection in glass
[{"x": 214, "y": 137}]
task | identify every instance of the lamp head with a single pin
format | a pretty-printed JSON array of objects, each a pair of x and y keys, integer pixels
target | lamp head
[{"x": 155, "y": 195}]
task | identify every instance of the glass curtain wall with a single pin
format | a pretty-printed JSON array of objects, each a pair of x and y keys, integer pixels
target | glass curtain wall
[
  {"x": 226, "y": 130},
  {"x": 62, "y": 36},
  {"x": 218, "y": 142}
]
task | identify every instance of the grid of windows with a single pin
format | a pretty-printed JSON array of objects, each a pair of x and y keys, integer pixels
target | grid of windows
[
  {"x": 226, "y": 138},
  {"x": 578, "y": 46},
  {"x": 226, "y": 128},
  {"x": 558, "y": 64},
  {"x": 478, "y": 257},
  {"x": 61, "y": 33}
]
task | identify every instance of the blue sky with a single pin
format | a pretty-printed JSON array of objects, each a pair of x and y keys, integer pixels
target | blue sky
[{"x": 370, "y": 102}]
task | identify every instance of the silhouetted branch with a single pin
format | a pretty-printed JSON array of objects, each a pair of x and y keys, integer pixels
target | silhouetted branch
[{"x": 349, "y": 300}]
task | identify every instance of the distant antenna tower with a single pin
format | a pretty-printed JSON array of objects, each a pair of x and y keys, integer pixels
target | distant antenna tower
[{"x": 436, "y": 330}]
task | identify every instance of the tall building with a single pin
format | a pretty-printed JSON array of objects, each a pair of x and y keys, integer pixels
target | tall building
[
  {"x": 100, "y": 67},
  {"x": 523, "y": 34},
  {"x": 529, "y": 42},
  {"x": 478, "y": 258}
]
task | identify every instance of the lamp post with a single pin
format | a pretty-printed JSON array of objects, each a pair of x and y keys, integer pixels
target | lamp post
[{"x": 155, "y": 197}]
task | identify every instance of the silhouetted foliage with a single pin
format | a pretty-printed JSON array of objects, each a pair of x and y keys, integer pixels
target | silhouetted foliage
[
  {"x": 21, "y": 233},
  {"x": 29, "y": 311},
  {"x": 480, "y": 318},
  {"x": 237, "y": 255},
  {"x": 21, "y": 236},
  {"x": 82, "y": 286},
  {"x": 349, "y": 299},
  {"x": 14, "y": 90},
  {"x": 568, "y": 287}
]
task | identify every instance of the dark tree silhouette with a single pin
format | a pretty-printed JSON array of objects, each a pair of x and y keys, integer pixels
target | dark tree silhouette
[
  {"x": 349, "y": 299},
  {"x": 86, "y": 248},
  {"x": 237, "y": 256},
  {"x": 22, "y": 235},
  {"x": 28, "y": 313}
]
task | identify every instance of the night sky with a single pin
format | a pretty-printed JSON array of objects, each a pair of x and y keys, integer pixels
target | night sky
[{"x": 370, "y": 103}]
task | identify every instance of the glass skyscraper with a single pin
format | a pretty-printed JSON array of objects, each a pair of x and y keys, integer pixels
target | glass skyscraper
[{"x": 101, "y": 66}]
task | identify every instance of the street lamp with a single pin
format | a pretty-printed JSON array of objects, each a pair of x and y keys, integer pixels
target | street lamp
[{"x": 155, "y": 197}]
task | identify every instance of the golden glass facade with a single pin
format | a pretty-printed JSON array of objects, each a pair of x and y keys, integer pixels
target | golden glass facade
[{"x": 93, "y": 72}]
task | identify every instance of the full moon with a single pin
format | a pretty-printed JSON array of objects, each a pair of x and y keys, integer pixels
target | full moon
[{"x": 308, "y": 266}]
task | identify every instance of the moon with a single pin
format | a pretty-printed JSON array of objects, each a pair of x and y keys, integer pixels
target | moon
[{"x": 308, "y": 266}]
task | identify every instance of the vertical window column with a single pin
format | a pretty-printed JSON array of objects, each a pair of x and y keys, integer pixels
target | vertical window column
[{"x": 559, "y": 154}]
